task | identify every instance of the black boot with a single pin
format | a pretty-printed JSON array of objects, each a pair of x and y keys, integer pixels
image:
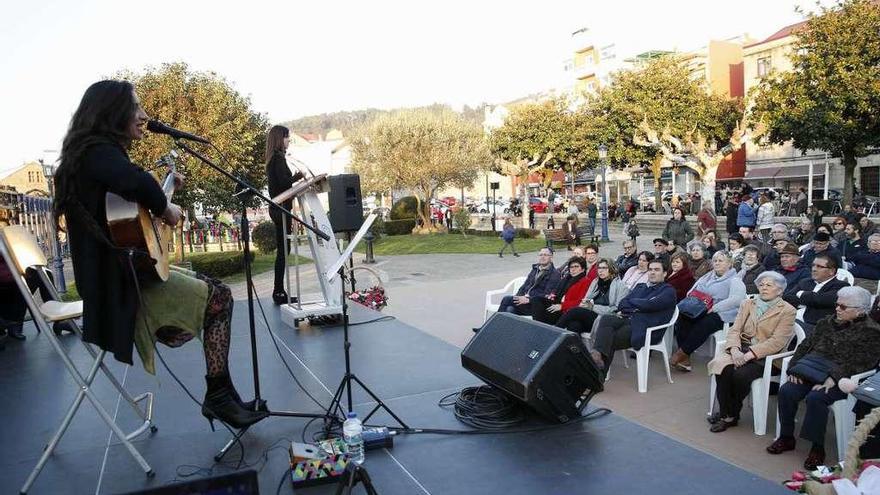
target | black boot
[
  {"x": 247, "y": 406},
  {"x": 279, "y": 297},
  {"x": 14, "y": 332},
  {"x": 220, "y": 404}
]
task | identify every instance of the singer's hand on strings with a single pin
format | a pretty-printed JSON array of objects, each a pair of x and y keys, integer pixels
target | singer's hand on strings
[{"x": 172, "y": 214}]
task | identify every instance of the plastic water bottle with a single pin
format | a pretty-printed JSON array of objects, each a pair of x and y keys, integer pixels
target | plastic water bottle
[{"x": 353, "y": 434}]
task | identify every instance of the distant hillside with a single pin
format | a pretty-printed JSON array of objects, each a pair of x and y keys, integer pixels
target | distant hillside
[{"x": 346, "y": 121}]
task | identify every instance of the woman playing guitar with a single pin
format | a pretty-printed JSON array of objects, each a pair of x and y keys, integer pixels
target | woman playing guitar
[{"x": 121, "y": 311}]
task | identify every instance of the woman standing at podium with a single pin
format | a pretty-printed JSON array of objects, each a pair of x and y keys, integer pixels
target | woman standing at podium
[{"x": 280, "y": 179}]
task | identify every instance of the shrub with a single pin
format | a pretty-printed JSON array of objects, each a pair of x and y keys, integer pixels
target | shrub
[
  {"x": 378, "y": 227},
  {"x": 462, "y": 219},
  {"x": 400, "y": 227},
  {"x": 527, "y": 233},
  {"x": 218, "y": 265},
  {"x": 264, "y": 237},
  {"x": 405, "y": 207}
]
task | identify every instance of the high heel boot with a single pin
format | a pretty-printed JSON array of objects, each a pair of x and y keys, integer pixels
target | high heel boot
[
  {"x": 247, "y": 406},
  {"x": 220, "y": 404}
]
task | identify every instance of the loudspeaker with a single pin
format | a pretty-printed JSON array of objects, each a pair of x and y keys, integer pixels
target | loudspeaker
[
  {"x": 346, "y": 207},
  {"x": 546, "y": 367}
]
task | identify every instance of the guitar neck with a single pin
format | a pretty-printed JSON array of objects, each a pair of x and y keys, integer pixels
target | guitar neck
[{"x": 168, "y": 186}]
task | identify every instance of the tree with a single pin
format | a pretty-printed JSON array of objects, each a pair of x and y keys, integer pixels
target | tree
[
  {"x": 544, "y": 137},
  {"x": 420, "y": 150},
  {"x": 664, "y": 95},
  {"x": 829, "y": 100},
  {"x": 203, "y": 103}
]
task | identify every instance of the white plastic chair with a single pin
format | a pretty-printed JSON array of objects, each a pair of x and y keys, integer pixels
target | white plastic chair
[
  {"x": 760, "y": 393},
  {"x": 508, "y": 290},
  {"x": 846, "y": 276},
  {"x": 643, "y": 355},
  {"x": 844, "y": 417}
]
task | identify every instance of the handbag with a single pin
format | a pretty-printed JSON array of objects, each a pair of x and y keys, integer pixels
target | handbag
[
  {"x": 695, "y": 305},
  {"x": 812, "y": 368}
]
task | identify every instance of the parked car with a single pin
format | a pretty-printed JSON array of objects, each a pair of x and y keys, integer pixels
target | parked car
[
  {"x": 538, "y": 204},
  {"x": 448, "y": 201}
]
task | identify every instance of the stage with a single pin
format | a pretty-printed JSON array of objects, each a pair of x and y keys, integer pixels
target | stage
[{"x": 407, "y": 368}]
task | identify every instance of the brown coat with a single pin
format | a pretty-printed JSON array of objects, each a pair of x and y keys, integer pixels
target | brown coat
[{"x": 769, "y": 334}]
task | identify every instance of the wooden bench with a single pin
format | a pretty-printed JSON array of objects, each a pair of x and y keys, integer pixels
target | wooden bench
[{"x": 558, "y": 235}]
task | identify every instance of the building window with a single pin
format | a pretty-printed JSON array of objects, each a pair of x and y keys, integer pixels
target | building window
[{"x": 763, "y": 67}]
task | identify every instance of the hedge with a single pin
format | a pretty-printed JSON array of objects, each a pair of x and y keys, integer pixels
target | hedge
[
  {"x": 217, "y": 265},
  {"x": 520, "y": 233},
  {"x": 400, "y": 227},
  {"x": 404, "y": 208},
  {"x": 263, "y": 237}
]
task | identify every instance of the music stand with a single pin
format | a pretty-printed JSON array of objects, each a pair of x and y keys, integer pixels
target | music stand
[{"x": 338, "y": 269}]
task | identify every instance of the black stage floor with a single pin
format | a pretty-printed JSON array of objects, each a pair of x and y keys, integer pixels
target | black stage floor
[{"x": 406, "y": 367}]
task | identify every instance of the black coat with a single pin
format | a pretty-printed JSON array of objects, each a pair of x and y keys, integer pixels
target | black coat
[
  {"x": 280, "y": 179},
  {"x": 103, "y": 277},
  {"x": 818, "y": 304}
]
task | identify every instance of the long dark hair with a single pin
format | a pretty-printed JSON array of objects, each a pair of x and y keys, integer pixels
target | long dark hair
[
  {"x": 275, "y": 140},
  {"x": 103, "y": 116}
]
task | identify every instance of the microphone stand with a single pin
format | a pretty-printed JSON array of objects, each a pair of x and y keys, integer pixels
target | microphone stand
[{"x": 245, "y": 192}]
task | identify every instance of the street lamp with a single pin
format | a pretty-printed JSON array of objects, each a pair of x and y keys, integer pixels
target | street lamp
[
  {"x": 603, "y": 155},
  {"x": 48, "y": 165}
]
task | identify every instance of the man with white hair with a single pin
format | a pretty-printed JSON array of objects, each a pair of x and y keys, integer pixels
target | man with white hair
[
  {"x": 841, "y": 345},
  {"x": 866, "y": 264},
  {"x": 803, "y": 234}
]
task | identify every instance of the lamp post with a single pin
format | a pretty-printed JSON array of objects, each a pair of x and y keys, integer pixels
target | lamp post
[
  {"x": 603, "y": 155},
  {"x": 57, "y": 265}
]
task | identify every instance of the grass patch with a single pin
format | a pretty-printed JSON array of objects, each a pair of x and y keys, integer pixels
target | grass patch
[{"x": 447, "y": 244}]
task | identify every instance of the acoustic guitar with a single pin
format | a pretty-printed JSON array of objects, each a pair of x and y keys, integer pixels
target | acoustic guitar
[{"x": 133, "y": 226}]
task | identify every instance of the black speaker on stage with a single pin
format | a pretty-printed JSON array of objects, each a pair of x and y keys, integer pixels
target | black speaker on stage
[
  {"x": 346, "y": 208},
  {"x": 546, "y": 367}
]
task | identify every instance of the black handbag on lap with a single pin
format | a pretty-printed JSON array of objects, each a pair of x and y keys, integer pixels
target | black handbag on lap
[{"x": 812, "y": 368}]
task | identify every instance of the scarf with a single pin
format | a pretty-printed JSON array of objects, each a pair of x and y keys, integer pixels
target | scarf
[
  {"x": 761, "y": 306},
  {"x": 569, "y": 281},
  {"x": 603, "y": 290}
]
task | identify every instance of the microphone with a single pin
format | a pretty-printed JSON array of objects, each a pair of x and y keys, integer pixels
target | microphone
[{"x": 161, "y": 128}]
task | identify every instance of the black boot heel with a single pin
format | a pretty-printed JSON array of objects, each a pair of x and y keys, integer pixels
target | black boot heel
[{"x": 220, "y": 404}]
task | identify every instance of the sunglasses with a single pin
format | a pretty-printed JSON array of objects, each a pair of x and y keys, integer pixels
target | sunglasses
[{"x": 844, "y": 307}]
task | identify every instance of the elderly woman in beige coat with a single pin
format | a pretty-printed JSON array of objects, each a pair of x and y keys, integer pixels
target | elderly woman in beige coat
[{"x": 763, "y": 326}]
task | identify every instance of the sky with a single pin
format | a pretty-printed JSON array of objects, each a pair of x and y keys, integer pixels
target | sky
[{"x": 302, "y": 58}]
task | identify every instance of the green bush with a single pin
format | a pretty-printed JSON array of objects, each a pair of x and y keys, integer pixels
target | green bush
[
  {"x": 264, "y": 237},
  {"x": 462, "y": 219},
  {"x": 405, "y": 207},
  {"x": 378, "y": 227},
  {"x": 218, "y": 265},
  {"x": 527, "y": 233},
  {"x": 400, "y": 227}
]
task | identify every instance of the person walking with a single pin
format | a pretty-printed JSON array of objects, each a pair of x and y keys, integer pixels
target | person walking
[
  {"x": 765, "y": 217},
  {"x": 508, "y": 234},
  {"x": 591, "y": 215}
]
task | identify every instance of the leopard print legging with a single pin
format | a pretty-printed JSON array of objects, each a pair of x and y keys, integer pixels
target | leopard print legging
[{"x": 218, "y": 320}]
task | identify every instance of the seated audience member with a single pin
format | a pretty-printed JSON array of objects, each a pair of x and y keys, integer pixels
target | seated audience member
[
  {"x": 736, "y": 244},
  {"x": 639, "y": 273},
  {"x": 661, "y": 251},
  {"x": 750, "y": 238},
  {"x": 727, "y": 292},
  {"x": 790, "y": 267},
  {"x": 826, "y": 228},
  {"x": 577, "y": 252},
  {"x": 821, "y": 245},
  {"x": 699, "y": 259},
  {"x": 647, "y": 305},
  {"x": 866, "y": 264},
  {"x": 841, "y": 345},
  {"x": 680, "y": 276},
  {"x": 712, "y": 244},
  {"x": 779, "y": 232},
  {"x": 566, "y": 296},
  {"x": 817, "y": 294},
  {"x": 602, "y": 297},
  {"x": 849, "y": 214},
  {"x": 838, "y": 231},
  {"x": 804, "y": 232},
  {"x": 750, "y": 269},
  {"x": 868, "y": 227},
  {"x": 875, "y": 310},
  {"x": 871, "y": 448},
  {"x": 541, "y": 281},
  {"x": 628, "y": 259},
  {"x": 763, "y": 326},
  {"x": 572, "y": 233},
  {"x": 854, "y": 243}
]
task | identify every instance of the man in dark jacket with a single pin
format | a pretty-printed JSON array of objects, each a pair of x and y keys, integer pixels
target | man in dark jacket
[
  {"x": 790, "y": 268},
  {"x": 732, "y": 213},
  {"x": 867, "y": 263},
  {"x": 647, "y": 305},
  {"x": 750, "y": 238},
  {"x": 821, "y": 244},
  {"x": 854, "y": 243},
  {"x": 628, "y": 259},
  {"x": 818, "y": 294},
  {"x": 542, "y": 280}
]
